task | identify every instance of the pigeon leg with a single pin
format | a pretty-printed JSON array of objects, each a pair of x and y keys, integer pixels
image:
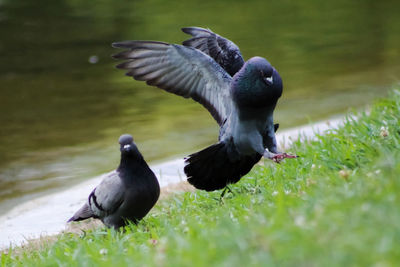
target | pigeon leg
[
  {"x": 225, "y": 190},
  {"x": 230, "y": 190}
]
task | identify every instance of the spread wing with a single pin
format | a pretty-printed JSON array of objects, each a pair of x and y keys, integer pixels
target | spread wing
[
  {"x": 222, "y": 50},
  {"x": 180, "y": 70},
  {"x": 108, "y": 196}
]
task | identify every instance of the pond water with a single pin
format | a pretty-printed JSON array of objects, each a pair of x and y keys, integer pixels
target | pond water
[{"x": 63, "y": 105}]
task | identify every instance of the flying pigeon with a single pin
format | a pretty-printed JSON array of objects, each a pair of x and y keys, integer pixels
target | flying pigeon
[
  {"x": 125, "y": 194},
  {"x": 242, "y": 105}
]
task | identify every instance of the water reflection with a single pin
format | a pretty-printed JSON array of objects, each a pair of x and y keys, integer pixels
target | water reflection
[{"x": 61, "y": 115}]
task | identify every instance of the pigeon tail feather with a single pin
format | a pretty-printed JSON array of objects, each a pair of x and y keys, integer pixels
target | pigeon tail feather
[
  {"x": 212, "y": 169},
  {"x": 83, "y": 213}
]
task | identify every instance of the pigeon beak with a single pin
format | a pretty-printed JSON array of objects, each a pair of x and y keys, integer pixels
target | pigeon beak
[
  {"x": 269, "y": 80},
  {"x": 127, "y": 147}
]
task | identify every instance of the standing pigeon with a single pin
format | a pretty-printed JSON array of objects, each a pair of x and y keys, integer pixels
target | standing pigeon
[
  {"x": 242, "y": 105},
  {"x": 125, "y": 194}
]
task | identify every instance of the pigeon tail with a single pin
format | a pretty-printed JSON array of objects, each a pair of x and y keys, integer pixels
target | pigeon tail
[
  {"x": 212, "y": 169},
  {"x": 83, "y": 213}
]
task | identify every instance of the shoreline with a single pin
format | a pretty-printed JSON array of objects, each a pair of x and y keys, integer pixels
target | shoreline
[{"x": 20, "y": 224}]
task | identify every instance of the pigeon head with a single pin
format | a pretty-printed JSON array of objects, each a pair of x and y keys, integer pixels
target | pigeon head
[
  {"x": 257, "y": 84},
  {"x": 127, "y": 146}
]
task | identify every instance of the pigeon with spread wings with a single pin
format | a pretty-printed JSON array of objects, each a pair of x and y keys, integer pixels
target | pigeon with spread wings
[{"x": 242, "y": 105}]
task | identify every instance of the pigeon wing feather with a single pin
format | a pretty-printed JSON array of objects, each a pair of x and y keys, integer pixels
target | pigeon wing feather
[
  {"x": 223, "y": 51},
  {"x": 108, "y": 196},
  {"x": 181, "y": 70}
]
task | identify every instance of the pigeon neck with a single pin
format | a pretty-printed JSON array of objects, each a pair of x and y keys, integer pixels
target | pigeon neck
[{"x": 132, "y": 168}]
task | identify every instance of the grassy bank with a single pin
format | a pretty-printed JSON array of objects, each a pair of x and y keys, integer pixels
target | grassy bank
[{"x": 338, "y": 204}]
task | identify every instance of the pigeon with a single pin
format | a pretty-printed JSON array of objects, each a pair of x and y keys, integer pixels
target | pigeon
[
  {"x": 242, "y": 105},
  {"x": 128, "y": 193}
]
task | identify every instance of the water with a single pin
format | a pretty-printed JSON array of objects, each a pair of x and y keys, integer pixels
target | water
[{"x": 63, "y": 105}]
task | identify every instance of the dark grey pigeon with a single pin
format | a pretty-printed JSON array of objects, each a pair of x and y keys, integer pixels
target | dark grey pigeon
[
  {"x": 126, "y": 194},
  {"x": 222, "y": 50},
  {"x": 242, "y": 105}
]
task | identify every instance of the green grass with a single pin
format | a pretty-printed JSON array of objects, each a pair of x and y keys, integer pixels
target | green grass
[{"x": 338, "y": 204}]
